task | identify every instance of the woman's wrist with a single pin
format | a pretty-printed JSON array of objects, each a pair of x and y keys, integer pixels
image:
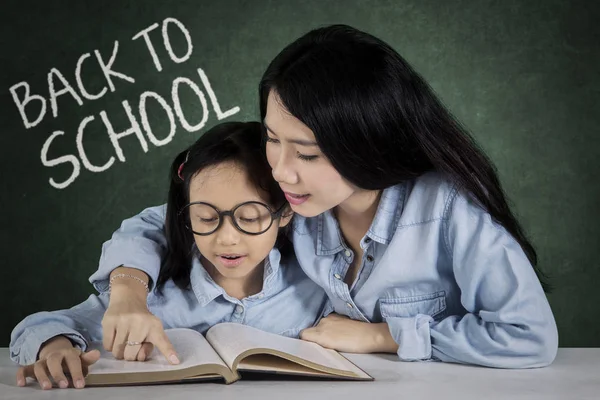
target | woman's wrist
[{"x": 383, "y": 342}]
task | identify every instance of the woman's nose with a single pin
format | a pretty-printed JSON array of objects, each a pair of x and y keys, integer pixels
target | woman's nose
[{"x": 283, "y": 171}]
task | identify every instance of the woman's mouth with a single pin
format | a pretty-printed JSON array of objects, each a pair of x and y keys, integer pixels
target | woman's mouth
[
  {"x": 231, "y": 260},
  {"x": 296, "y": 199}
]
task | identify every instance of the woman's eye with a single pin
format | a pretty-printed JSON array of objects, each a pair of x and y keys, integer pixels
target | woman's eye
[
  {"x": 248, "y": 220},
  {"x": 305, "y": 157},
  {"x": 271, "y": 140},
  {"x": 208, "y": 220}
]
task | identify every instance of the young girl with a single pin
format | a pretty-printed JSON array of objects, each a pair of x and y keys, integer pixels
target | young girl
[
  {"x": 223, "y": 218},
  {"x": 402, "y": 219}
]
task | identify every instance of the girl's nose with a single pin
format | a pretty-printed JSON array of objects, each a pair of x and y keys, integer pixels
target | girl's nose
[{"x": 227, "y": 234}]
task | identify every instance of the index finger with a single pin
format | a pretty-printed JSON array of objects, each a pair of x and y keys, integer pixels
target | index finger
[{"x": 159, "y": 338}]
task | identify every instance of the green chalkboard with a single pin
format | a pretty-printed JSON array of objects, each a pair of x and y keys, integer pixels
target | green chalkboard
[{"x": 522, "y": 76}]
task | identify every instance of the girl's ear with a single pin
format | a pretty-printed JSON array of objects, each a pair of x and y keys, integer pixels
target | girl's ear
[{"x": 286, "y": 216}]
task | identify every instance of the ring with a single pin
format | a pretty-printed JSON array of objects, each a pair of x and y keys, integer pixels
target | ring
[{"x": 129, "y": 343}]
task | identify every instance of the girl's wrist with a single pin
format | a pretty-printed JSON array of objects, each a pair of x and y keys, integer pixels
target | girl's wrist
[
  {"x": 127, "y": 282},
  {"x": 56, "y": 343}
]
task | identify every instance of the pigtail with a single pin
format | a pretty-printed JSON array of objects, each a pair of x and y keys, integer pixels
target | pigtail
[{"x": 180, "y": 242}]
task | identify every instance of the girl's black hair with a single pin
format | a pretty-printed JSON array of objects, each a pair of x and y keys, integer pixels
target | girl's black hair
[
  {"x": 378, "y": 121},
  {"x": 240, "y": 142}
]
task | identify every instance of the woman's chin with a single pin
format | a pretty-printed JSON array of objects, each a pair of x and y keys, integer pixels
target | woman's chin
[{"x": 307, "y": 209}]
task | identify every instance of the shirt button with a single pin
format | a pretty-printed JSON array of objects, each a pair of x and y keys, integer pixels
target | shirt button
[
  {"x": 239, "y": 309},
  {"x": 349, "y": 305},
  {"x": 368, "y": 240},
  {"x": 337, "y": 276},
  {"x": 370, "y": 258},
  {"x": 347, "y": 253}
]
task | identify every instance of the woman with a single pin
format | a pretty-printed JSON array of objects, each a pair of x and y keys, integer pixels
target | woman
[{"x": 401, "y": 218}]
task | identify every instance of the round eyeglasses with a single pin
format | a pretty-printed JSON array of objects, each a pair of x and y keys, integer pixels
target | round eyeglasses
[{"x": 251, "y": 218}]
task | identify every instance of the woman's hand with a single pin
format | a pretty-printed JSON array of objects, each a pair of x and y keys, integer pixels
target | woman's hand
[
  {"x": 128, "y": 320},
  {"x": 56, "y": 357},
  {"x": 347, "y": 335}
]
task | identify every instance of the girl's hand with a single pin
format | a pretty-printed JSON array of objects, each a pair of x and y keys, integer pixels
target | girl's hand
[
  {"x": 127, "y": 319},
  {"x": 347, "y": 335},
  {"x": 57, "y": 357}
]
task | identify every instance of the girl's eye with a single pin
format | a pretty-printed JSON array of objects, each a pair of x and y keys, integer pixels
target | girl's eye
[
  {"x": 208, "y": 220},
  {"x": 271, "y": 140},
  {"x": 248, "y": 220},
  {"x": 305, "y": 157}
]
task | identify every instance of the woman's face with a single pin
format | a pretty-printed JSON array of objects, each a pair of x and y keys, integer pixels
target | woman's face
[{"x": 311, "y": 184}]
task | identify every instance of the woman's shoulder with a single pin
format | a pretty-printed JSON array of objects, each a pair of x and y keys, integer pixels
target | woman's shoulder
[
  {"x": 427, "y": 198},
  {"x": 432, "y": 184},
  {"x": 423, "y": 199}
]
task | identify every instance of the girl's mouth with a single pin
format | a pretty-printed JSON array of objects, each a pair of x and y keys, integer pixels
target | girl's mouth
[{"x": 231, "y": 260}]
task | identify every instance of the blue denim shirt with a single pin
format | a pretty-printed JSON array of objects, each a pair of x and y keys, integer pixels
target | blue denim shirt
[
  {"x": 288, "y": 303},
  {"x": 451, "y": 284}
]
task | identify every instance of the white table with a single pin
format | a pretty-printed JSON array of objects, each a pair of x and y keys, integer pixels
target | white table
[{"x": 575, "y": 374}]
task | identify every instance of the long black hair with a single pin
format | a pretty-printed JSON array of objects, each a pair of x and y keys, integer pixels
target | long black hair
[
  {"x": 377, "y": 120},
  {"x": 240, "y": 142}
]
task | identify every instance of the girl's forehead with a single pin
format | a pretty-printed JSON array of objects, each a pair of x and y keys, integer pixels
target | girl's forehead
[{"x": 224, "y": 185}]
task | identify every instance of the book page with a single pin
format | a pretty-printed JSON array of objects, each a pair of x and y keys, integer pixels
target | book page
[
  {"x": 230, "y": 340},
  {"x": 191, "y": 346}
]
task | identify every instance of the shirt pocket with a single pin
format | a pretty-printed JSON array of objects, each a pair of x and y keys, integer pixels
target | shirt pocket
[{"x": 432, "y": 304}]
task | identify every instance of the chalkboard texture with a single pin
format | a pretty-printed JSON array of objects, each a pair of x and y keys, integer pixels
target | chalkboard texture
[{"x": 97, "y": 97}]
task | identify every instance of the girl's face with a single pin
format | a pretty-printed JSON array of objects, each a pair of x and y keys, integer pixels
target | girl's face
[
  {"x": 233, "y": 254},
  {"x": 311, "y": 184}
]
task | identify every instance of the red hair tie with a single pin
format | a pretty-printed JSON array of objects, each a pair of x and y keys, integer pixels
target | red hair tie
[{"x": 181, "y": 166}]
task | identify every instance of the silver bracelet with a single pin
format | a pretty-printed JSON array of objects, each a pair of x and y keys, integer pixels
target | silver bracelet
[{"x": 127, "y": 276}]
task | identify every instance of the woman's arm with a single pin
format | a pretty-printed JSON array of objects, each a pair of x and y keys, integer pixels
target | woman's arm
[
  {"x": 509, "y": 323},
  {"x": 140, "y": 245},
  {"x": 80, "y": 324}
]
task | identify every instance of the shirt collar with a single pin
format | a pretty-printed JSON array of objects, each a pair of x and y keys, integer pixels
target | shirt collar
[
  {"x": 272, "y": 264},
  {"x": 388, "y": 214},
  {"x": 385, "y": 222},
  {"x": 206, "y": 289}
]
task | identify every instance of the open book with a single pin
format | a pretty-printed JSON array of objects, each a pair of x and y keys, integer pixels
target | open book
[{"x": 227, "y": 350}]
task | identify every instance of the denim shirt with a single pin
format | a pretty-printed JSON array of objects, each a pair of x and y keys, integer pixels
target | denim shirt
[
  {"x": 452, "y": 284},
  {"x": 288, "y": 303}
]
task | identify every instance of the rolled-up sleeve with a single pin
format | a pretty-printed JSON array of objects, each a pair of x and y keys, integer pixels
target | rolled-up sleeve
[
  {"x": 412, "y": 335},
  {"x": 139, "y": 243},
  {"x": 509, "y": 323},
  {"x": 80, "y": 324}
]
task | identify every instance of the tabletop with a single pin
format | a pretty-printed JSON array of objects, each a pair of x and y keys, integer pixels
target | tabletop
[{"x": 575, "y": 374}]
